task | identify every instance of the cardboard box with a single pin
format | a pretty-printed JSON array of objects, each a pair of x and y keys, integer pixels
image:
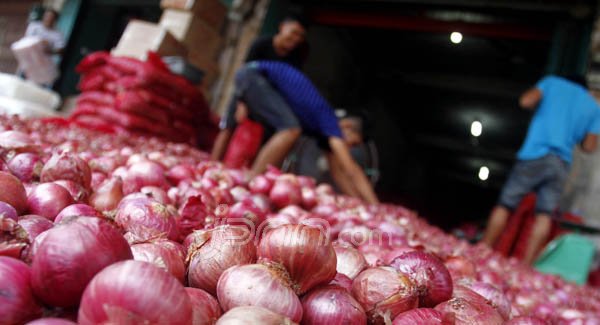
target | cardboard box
[
  {"x": 213, "y": 12},
  {"x": 140, "y": 37},
  {"x": 194, "y": 33},
  {"x": 206, "y": 64}
]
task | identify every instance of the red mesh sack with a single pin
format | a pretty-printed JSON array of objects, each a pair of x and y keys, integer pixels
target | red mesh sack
[
  {"x": 131, "y": 101},
  {"x": 91, "y": 82},
  {"x": 244, "y": 144},
  {"x": 96, "y": 98},
  {"x": 92, "y": 61}
]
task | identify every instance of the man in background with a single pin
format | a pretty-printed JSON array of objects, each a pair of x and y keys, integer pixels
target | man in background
[
  {"x": 565, "y": 115},
  {"x": 289, "y": 46},
  {"x": 53, "y": 39}
]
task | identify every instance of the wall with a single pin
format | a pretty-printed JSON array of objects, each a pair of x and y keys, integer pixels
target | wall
[{"x": 13, "y": 22}]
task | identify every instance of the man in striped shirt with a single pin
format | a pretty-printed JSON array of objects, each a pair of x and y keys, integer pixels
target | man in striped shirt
[{"x": 286, "y": 86}]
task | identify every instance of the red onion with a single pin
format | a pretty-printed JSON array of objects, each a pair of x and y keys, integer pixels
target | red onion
[
  {"x": 245, "y": 211},
  {"x": 13, "y": 192},
  {"x": 34, "y": 225},
  {"x": 390, "y": 255},
  {"x": 307, "y": 182},
  {"x": 304, "y": 251},
  {"x": 67, "y": 166},
  {"x": 260, "y": 185},
  {"x": 175, "y": 247},
  {"x": 526, "y": 320},
  {"x": 7, "y": 211},
  {"x": 62, "y": 265},
  {"x": 78, "y": 193},
  {"x": 108, "y": 196},
  {"x": 285, "y": 191},
  {"x": 239, "y": 193},
  {"x": 180, "y": 173},
  {"x": 134, "y": 292},
  {"x": 48, "y": 199},
  {"x": 349, "y": 260},
  {"x": 460, "y": 267},
  {"x": 147, "y": 219},
  {"x": 429, "y": 274},
  {"x": 77, "y": 210},
  {"x": 461, "y": 291},
  {"x": 342, "y": 281},
  {"x": 252, "y": 315},
  {"x": 267, "y": 286},
  {"x": 384, "y": 293},
  {"x": 162, "y": 257},
  {"x": 144, "y": 173},
  {"x": 216, "y": 250},
  {"x": 27, "y": 167},
  {"x": 309, "y": 198},
  {"x": 97, "y": 180},
  {"x": 470, "y": 313},
  {"x": 17, "y": 304},
  {"x": 51, "y": 321},
  {"x": 156, "y": 193},
  {"x": 205, "y": 307},
  {"x": 16, "y": 141},
  {"x": 332, "y": 305},
  {"x": 262, "y": 202},
  {"x": 423, "y": 316},
  {"x": 497, "y": 299}
]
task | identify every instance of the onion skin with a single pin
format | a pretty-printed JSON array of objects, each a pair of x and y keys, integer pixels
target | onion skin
[
  {"x": 214, "y": 251},
  {"x": 63, "y": 265},
  {"x": 48, "y": 199},
  {"x": 496, "y": 298},
  {"x": 34, "y": 225},
  {"x": 260, "y": 285},
  {"x": 78, "y": 193},
  {"x": 253, "y": 315},
  {"x": 108, "y": 196},
  {"x": 423, "y": 316},
  {"x": 260, "y": 185},
  {"x": 51, "y": 321},
  {"x": 164, "y": 258},
  {"x": 7, "y": 211},
  {"x": 147, "y": 219},
  {"x": 429, "y": 274},
  {"x": 77, "y": 210},
  {"x": 27, "y": 167},
  {"x": 342, "y": 281},
  {"x": 350, "y": 261},
  {"x": 13, "y": 192},
  {"x": 205, "y": 307},
  {"x": 305, "y": 252},
  {"x": 384, "y": 293},
  {"x": 17, "y": 304},
  {"x": 67, "y": 166},
  {"x": 470, "y": 313},
  {"x": 134, "y": 292},
  {"x": 332, "y": 305}
]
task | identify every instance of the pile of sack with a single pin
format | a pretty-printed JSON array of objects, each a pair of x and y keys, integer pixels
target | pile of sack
[{"x": 121, "y": 94}]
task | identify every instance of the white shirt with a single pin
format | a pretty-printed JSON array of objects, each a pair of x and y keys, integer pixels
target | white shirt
[{"x": 54, "y": 38}]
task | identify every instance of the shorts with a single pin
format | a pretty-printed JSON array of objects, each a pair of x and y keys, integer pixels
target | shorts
[
  {"x": 545, "y": 176},
  {"x": 265, "y": 105}
]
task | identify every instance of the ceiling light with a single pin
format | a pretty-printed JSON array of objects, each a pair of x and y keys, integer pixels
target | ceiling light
[
  {"x": 476, "y": 128},
  {"x": 484, "y": 173},
  {"x": 456, "y": 37}
]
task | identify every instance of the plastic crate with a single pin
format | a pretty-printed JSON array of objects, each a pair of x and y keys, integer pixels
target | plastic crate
[{"x": 569, "y": 256}]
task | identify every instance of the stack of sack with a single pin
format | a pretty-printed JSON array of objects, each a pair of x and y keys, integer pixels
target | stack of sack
[{"x": 123, "y": 94}]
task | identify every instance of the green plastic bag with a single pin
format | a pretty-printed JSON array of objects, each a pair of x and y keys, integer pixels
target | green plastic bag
[{"x": 569, "y": 256}]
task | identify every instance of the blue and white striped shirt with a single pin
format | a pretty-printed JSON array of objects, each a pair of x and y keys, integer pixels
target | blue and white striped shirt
[{"x": 315, "y": 114}]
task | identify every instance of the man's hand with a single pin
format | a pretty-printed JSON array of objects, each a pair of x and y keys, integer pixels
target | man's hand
[
  {"x": 589, "y": 143},
  {"x": 530, "y": 99},
  {"x": 241, "y": 112}
]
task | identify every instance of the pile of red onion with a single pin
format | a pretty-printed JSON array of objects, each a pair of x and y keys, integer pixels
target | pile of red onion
[{"x": 98, "y": 228}]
